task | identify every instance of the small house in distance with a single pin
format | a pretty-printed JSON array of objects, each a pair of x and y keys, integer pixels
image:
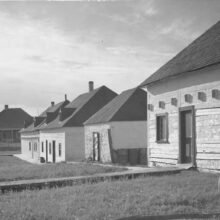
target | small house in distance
[
  {"x": 30, "y": 135},
  {"x": 184, "y": 106},
  {"x": 118, "y": 132},
  {"x": 11, "y": 121}
]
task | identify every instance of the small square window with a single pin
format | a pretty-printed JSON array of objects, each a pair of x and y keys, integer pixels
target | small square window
[
  {"x": 215, "y": 94},
  {"x": 162, "y": 128},
  {"x": 188, "y": 98},
  {"x": 174, "y": 101},
  {"x": 162, "y": 104},
  {"x": 60, "y": 149}
]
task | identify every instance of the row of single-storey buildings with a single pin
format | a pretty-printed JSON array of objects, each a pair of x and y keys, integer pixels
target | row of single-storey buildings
[
  {"x": 173, "y": 117},
  {"x": 98, "y": 125}
]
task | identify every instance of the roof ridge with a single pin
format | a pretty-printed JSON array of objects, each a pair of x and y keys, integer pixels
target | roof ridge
[
  {"x": 199, "y": 45},
  {"x": 77, "y": 110},
  {"x": 127, "y": 99},
  {"x": 109, "y": 118}
]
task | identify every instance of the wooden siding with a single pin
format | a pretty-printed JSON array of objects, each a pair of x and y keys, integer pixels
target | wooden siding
[
  {"x": 208, "y": 138},
  {"x": 207, "y": 119}
]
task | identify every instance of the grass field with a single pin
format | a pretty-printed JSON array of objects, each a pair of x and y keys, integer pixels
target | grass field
[
  {"x": 187, "y": 192},
  {"x": 12, "y": 168}
]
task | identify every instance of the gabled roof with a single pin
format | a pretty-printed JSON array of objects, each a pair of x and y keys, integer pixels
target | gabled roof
[
  {"x": 83, "y": 107},
  {"x": 50, "y": 109},
  {"x": 13, "y": 118},
  {"x": 202, "y": 52},
  {"x": 130, "y": 105}
]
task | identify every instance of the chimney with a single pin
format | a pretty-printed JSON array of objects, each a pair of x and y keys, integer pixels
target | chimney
[
  {"x": 91, "y": 86},
  {"x": 65, "y": 97},
  {"x": 52, "y": 103},
  {"x": 6, "y": 107}
]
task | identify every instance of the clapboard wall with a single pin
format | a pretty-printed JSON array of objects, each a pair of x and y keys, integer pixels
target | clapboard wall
[{"x": 199, "y": 85}]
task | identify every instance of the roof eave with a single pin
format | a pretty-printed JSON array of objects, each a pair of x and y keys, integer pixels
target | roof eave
[{"x": 176, "y": 75}]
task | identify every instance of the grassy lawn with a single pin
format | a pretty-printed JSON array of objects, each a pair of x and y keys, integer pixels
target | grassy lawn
[
  {"x": 187, "y": 192},
  {"x": 12, "y": 168}
]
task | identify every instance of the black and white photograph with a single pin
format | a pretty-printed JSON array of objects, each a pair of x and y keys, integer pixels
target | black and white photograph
[{"x": 110, "y": 110}]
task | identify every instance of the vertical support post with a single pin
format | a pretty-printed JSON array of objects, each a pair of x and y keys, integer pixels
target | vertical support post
[{"x": 110, "y": 146}]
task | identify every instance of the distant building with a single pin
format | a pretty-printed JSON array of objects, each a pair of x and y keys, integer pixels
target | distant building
[
  {"x": 184, "y": 106},
  {"x": 59, "y": 136},
  {"x": 118, "y": 132},
  {"x": 11, "y": 121},
  {"x": 30, "y": 136}
]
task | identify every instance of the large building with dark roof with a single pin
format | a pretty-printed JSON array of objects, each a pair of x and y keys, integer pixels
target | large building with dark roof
[
  {"x": 184, "y": 106},
  {"x": 118, "y": 132},
  {"x": 58, "y": 134},
  {"x": 11, "y": 121}
]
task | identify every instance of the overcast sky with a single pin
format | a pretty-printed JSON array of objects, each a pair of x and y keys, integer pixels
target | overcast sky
[{"x": 51, "y": 48}]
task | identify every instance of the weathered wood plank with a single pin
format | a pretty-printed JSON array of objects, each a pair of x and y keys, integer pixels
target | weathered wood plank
[
  {"x": 161, "y": 155},
  {"x": 210, "y": 111},
  {"x": 162, "y": 160},
  {"x": 207, "y": 141},
  {"x": 169, "y": 150},
  {"x": 208, "y": 148},
  {"x": 210, "y": 156}
]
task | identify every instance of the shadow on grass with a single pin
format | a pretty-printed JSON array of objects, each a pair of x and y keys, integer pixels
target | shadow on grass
[{"x": 176, "y": 216}]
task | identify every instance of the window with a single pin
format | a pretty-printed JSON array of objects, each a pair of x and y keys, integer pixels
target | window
[
  {"x": 29, "y": 146},
  {"x": 42, "y": 147},
  {"x": 162, "y": 128},
  {"x": 49, "y": 148},
  {"x": 60, "y": 152}
]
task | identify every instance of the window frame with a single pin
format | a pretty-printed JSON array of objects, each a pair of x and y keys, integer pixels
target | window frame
[{"x": 166, "y": 140}]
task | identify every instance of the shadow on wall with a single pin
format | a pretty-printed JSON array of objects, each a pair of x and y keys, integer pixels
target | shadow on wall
[{"x": 136, "y": 156}]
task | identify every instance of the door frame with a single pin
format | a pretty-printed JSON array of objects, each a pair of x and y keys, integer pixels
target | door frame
[{"x": 193, "y": 150}]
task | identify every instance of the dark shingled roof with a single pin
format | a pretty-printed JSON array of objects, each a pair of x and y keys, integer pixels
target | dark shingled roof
[
  {"x": 13, "y": 118},
  {"x": 130, "y": 105},
  {"x": 51, "y": 109},
  {"x": 83, "y": 107},
  {"x": 202, "y": 52}
]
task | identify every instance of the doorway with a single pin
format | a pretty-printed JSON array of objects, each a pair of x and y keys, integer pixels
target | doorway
[
  {"x": 46, "y": 151},
  {"x": 96, "y": 146},
  {"x": 54, "y": 151},
  {"x": 187, "y": 135}
]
